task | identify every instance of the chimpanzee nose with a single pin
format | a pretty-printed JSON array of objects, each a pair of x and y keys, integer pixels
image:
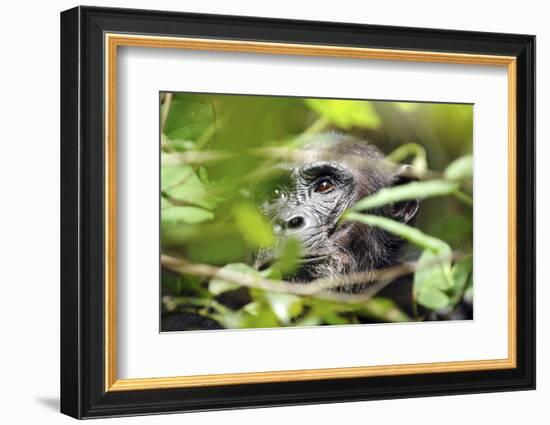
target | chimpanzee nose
[{"x": 293, "y": 222}]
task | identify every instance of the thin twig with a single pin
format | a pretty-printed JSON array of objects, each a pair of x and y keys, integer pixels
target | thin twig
[
  {"x": 193, "y": 157},
  {"x": 325, "y": 288},
  {"x": 180, "y": 202},
  {"x": 465, "y": 199},
  {"x": 165, "y": 110},
  {"x": 319, "y": 125},
  {"x": 289, "y": 155}
]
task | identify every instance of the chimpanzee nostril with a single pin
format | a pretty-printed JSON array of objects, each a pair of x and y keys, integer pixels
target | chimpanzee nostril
[{"x": 295, "y": 222}]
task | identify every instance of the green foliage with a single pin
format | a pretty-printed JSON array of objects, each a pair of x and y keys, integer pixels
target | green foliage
[
  {"x": 189, "y": 117},
  {"x": 287, "y": 260},
  {"x": 253, "y": 226},
  {"x": 434, "y": 283},
  {"x": 461, "y": 168},
  {"x": 419, "y": 162},
  {"x": 208, "y": 144},
  {"x": 434, "y": 299},
  {"x": 267, "y": 308},
  {"x": 189, "y": 215},
  {"x": 462, "y": 273},
  {"x": 384, "y": 310},
  {"x": 346, "y": 113},
  {"x": 181, "y": 184},
  {"x": 408, "y": 233},
  {"x": 433, "y": 278},
  {"x": 184, "y": 198},
  {"x": 284, "y": 306},
  {"x": 413, "y": 190},
  {"x": 218, "y": 285}
]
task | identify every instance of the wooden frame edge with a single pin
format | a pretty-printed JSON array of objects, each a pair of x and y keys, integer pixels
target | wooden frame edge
[
  {"x": 137, "y": 384},
  {"x": 512, "y": 212},
  {"x": 114, "y": 40},
  {"x": 110, "y": 213}
]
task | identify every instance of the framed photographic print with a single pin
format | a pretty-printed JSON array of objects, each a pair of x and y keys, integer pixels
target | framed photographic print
[{"x": 261, "y": 212}]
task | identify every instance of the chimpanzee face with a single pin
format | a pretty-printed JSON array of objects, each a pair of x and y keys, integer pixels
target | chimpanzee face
[
  {"x": 306, "y": 198},
  {"x": 306, "y": 201}
]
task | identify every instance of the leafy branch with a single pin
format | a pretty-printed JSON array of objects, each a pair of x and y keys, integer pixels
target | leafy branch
[{"x": 320, "y": 288}]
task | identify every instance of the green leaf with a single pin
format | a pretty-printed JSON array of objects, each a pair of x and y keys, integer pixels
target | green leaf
[
  {"x": 346, "y": 113},
  {"x": 461, "y": 168},
  {"x": 419, "y": 162},
  {"x": 172, "y": 175},
  {"x": 408, "y": 233},
  {"x": 383, "y": 309},
  {"x": 413, "y": 190},
  {"x": 164, "y": 203},
  {"x": 178, "y": 144},
  {"x": 182, "y": 184},
  {"x": 189, "y": 117},
  {"x": 203, "y": 176},
  {"x": 264, "y": 319},
  {"x": 285, "y": 306},
  {"x": 260, "y": 314},
  {"x": 333, "y": 318},
  {"x": 433, "y": 299},
  {"x": 253, "y": 226},
  {"x": 271, "y": 273},
  {"x": 462, "y": 277},
  {"x": 287, "y": 261},
  {"x": 254, "y": 308},
  {"x": 434, "y": 271},
  {"x": 230, "y": 319},
  {"x": 218, "y": 285},
  {"x": 188, "y": 215},
  {"x": 433, "y": 277},
  {"x": 309, "y": 320}
]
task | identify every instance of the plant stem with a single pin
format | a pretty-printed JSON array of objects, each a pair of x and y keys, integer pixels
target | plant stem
[
  {"x": 318, "y": 126},
  {"x": 465, "y": 199},
  {"x": 165, "y": 110}
]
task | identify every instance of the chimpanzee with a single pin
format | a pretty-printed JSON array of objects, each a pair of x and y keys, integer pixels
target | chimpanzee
[{"x": 306, "y": 198}]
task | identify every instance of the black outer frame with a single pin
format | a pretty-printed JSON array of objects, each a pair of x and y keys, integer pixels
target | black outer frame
[{"x": 82, "y": 212}]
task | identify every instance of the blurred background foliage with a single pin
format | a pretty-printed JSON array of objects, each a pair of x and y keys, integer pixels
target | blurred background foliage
[{"x": 212, "y": 147}]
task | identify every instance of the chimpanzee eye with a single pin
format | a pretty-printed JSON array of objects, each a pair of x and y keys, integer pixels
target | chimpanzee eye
[
  {"x": 324, "y": 185},
  {"x": 276, "y": 194}
]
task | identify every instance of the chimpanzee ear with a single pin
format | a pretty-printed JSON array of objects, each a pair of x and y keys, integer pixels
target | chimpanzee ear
[{"x": 405, "y": 211}]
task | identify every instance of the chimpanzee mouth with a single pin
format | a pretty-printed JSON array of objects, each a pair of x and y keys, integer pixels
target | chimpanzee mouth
[
  {"x": 312, "y": 260},
  {"x": 300, "y": 261}
]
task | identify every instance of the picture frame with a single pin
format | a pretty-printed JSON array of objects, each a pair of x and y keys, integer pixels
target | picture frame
[{"x": 90, "y": 41}]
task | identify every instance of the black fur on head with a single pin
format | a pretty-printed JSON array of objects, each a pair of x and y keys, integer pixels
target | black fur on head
[{"x": 305, "y": 198}]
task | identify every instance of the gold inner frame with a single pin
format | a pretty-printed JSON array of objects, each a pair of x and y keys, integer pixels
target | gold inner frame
[{"x": 113, "y": 41}]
